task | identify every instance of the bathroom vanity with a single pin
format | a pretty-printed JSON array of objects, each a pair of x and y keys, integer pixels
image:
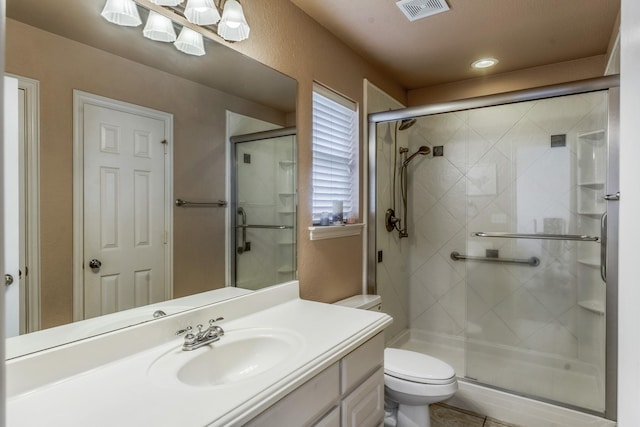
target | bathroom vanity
[{"x": 281, "y": 361}]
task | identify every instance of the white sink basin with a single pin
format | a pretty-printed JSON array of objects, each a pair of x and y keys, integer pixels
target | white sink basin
[{"x": 240, "y": 355}]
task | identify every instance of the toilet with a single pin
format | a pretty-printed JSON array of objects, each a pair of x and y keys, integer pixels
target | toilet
[{"x": 412, "y": 380}]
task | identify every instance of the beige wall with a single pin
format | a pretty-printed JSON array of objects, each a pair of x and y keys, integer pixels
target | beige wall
[
  {"x": 561, "y": 72},
  {"x": 61, "y": 65},
  {"x": 286, "y": 39}
]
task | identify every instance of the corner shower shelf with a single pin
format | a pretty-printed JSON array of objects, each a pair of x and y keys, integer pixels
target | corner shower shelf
[
  {"x": 591, "y": 214},
  {"x": 593, "y": 306},
  {"x": 594, "y": 135},
  {"x": 595, "y": 185},
  {"x": 590, "y": 262}
]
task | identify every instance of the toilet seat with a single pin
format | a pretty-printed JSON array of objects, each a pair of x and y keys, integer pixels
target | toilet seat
[
  {"x": 418, "y": 393},
  {"x": 417, "y": 367}
]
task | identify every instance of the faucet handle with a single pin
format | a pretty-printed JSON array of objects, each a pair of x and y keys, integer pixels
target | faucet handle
[
  {"x": 215, "y": 329},
  {"x": 182, "y": 331}
]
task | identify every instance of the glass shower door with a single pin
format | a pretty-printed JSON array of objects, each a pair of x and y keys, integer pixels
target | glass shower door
[
  {"x": 264, "y": 243},
  {"x": 535, "y": 203}
]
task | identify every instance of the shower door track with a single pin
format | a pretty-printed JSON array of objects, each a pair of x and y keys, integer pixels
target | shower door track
[
  {"x": 474, "y": 381},
  {"x": 610, "y": 83}
]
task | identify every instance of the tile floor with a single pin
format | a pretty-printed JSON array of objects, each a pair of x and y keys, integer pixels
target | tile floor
[{"x": 447, "y": 416}]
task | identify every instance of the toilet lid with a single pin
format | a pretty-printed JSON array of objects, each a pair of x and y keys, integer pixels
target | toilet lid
[{"x": 417, "y": 367}]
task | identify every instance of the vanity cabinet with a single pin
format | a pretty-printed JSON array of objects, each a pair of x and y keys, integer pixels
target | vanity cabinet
[{"x": 349, "y": 393}]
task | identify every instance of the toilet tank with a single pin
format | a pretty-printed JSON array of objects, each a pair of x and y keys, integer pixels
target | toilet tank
[{"x": 364, "y": 302}]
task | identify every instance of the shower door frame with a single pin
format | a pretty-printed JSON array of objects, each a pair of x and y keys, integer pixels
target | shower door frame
[
  {"x": 233, "y": 222},
  {"x": 608, "y": 83}
]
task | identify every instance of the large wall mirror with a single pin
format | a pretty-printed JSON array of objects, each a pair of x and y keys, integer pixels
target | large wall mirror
[{"x": 78, "y": 73}]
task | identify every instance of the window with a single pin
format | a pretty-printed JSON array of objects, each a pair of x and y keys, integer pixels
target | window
[{"x": 335, "y": 153}]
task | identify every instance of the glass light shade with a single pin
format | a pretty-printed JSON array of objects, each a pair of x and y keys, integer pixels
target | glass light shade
[
  {"x": 121, "y": 12},
  {"x": 167, "y": 2},
  {"x": 201, "y": 12},
  {"x": 159, "y": 28},
  {"x": 190, "y": 42},
  {"x": 233, "y": 25}
]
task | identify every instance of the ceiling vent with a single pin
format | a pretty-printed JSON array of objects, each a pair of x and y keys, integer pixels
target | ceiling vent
[{"x": 418, "y": 9}]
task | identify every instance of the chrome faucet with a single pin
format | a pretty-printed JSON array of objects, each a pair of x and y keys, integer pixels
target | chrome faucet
[{"x": 193, "y": 341}]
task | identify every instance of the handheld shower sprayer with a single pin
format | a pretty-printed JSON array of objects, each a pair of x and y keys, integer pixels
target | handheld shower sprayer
[
  {"x": 423, "y": 150},
  {"x": 392, "y": 222}
]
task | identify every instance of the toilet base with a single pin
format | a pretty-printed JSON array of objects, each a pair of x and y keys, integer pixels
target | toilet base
[{"x": 413, "y": 416}]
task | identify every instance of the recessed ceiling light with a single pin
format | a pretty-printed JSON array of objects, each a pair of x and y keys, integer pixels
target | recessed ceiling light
[{"x": 484, "y": 63}]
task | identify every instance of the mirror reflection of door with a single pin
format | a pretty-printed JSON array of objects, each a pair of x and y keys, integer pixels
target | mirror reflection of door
[
  {"x": 126, "y": 232},
  {"x": 14, "y": 309},
  {"x": 264, "y": 200},
  {"x": 21, "y": 201}
]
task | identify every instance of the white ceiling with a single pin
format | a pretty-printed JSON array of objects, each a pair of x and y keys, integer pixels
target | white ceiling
[{"x": 439, "y": 49}]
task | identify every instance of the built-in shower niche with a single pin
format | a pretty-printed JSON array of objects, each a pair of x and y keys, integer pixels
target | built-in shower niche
[
  {"x": 591, "y": 173},
  {"x": 591, "y": 183},
  {"x": 286, "y": 207}
]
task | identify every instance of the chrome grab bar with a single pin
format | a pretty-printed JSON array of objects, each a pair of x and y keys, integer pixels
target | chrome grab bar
[
  {"x": 244, "y": 247},
  {"x": 603, "y": 247},
  {"x": 578, "y": 237},
  {"x": 271, "y": 227},
  {"x": 183, "y": 203},
  {"x": 533, "y": 261}
]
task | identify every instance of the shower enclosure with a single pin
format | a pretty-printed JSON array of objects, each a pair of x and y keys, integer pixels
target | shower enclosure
[
  {"x": 263, "y": 207},
  {"x": 509, "y": 269}
]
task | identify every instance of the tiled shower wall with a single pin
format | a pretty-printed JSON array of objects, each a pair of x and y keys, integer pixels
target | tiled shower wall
[{"x": 498, "y": 173}]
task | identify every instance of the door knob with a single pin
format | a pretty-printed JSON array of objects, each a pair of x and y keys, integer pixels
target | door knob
[
  {"x": 95, "y": 265},
  {"x": 8, "y": 279}
]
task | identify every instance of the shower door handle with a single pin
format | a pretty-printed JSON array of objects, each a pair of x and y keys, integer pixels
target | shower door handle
[
  {"x": 244, "y": 246},
  {"x": 612, "y": 197},
  {"x": 603, "y": 247}
]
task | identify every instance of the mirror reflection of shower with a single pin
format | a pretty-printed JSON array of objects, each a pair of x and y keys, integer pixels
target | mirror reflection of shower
[{"x": 393, "y": 222}]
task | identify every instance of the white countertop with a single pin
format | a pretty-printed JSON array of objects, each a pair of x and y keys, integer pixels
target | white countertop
[
  {"x": 51, "y": 337},
  {"x": 120, "y": 392}
]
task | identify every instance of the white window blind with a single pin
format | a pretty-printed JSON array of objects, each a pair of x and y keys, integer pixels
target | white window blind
[{"x": 335, "y": 153}]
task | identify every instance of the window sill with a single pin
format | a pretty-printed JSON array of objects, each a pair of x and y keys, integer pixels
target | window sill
[{"x": 334, "y": 231}]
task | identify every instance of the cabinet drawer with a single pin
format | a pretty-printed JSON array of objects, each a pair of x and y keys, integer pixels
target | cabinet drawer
[
  {"x": 360, "y": 363},
  {"x": 305, "y": 404},
  {"x": 364, "y": 407}
]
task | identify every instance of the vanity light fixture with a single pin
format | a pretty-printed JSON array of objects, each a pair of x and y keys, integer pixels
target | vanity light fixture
[
  {"x": 190, "y": 42},
  {"x": 121, "y": 12},
  {"x": 233, "y": 25},
  {"x": 167, "y": 2},
  {"x": 159, "y": 28},
  {"x": 201, "y": 12},
  {"x": 484, "y": 63}
]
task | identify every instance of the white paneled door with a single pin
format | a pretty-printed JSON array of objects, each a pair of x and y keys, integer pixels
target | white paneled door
[
  {"x": 124, "y": 210},
  {"x": 11, "y": 196}
]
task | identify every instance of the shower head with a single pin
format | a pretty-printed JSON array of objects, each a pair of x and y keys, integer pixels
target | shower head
[
  {"x": 406, "y": 124},
  {"x": 423, "y": 150}
]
